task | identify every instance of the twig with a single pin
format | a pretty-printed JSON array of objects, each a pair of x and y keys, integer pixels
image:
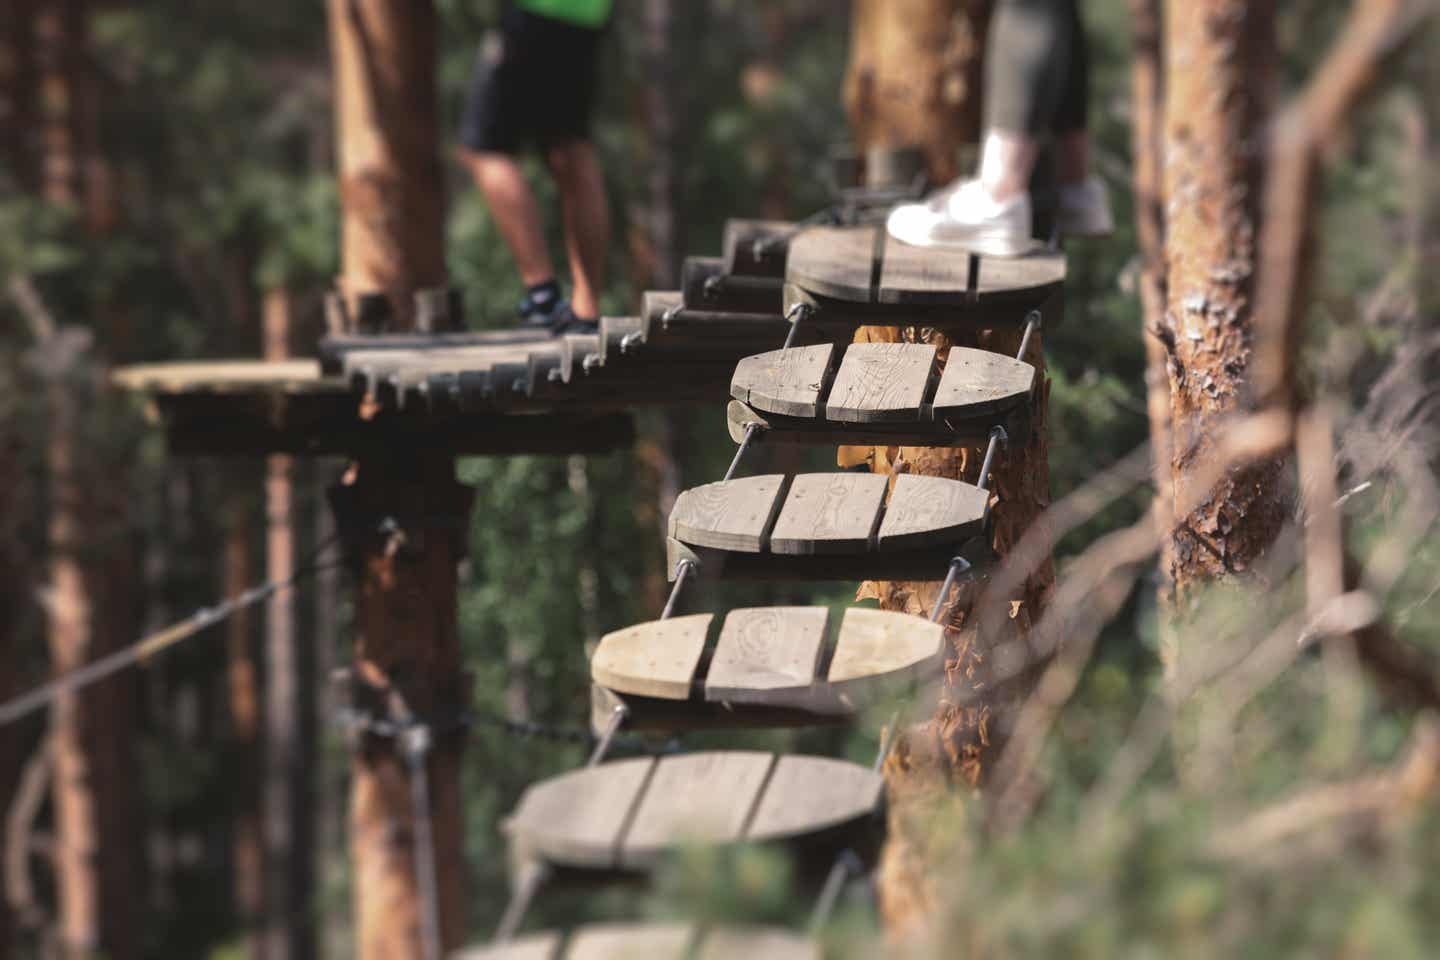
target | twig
[{"x": 19, "y": 825}]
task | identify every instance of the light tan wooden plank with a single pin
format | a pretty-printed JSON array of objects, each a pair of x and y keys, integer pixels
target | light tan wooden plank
[
  {"x": 757, "y": 943},
  {"x": 925, "y": 511},
  {"x": 227, "y": 376},
  {"x": 878, "y": 649},
  {"x": 784, "y": 381},
  {"x": 577, "y": 818},
  {"x": 881, "y": 383},
  {"x": 829, "y": 513},
  {"x": 806, "y": 795},
  {"x": 655, "y": 659},
  {"x": 694, "y": 798},
  {"x": 767, "y": 655},
  {"x": 729, "y": 515},
  {"x": 631, "y": 941},
  {"x": 535, "y": 946},
  {"x": 979, "y": 382}
]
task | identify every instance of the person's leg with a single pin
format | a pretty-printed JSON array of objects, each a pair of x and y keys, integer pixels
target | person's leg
[
  {"x": 515, "y": 210},
  {"x": 586, "y": 217},
  {"x": 1072, "y": 114}
]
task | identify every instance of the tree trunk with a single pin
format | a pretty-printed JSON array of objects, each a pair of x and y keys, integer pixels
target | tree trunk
[
  {"x": 289, "y": 704},
  {"x": 244, "y": 695},
  {"x": 392, "y": 209},
  {"x": 17, "y": 91},
  {"x": 1217, "y": 57},
  {"x": 913, "y": 80}
]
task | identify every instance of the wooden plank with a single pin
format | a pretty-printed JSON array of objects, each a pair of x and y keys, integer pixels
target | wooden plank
[
  {"x": 978, "y": 382},
  {"x": 705, "y": 285},
  {"x": 695, "y": 798},
  {"x": 728, "y": 515},
  {"x": 227, "y": 376},
  {"x": 790, "y": 381},
  {"x": 950, "y": 432},
  {"x": 837, "y": 262},
  {"x": 574, "y": 348},
  {"x": 579, "y": 818},
  {"x": 806, "y": 795},
  {"x": 757, "y": 247},
  {"x": 631, "y": 941},
  {"x": 877, "y": 649},
  {"x": 881, "y": 382},
  {"x": 767, "y": 655},
  {"x": 829, "y": 513},
  {"x": 927, "y": 511},
  {"x": 655, "y": 659},
  {"x": 333, "y": 347},
  {"x": 534, "y": 946},
  {"x": 614, "y": 331},
  {"x": 757, "y": 943}
]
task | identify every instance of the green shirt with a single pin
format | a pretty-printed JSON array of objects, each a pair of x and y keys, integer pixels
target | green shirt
[{"x": 586, "y": 13}]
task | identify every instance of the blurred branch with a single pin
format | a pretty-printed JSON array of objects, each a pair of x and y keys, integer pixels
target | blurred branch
[{"x": 20, "y": 822}]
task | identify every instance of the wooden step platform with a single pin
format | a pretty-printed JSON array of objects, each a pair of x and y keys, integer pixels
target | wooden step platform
[
  {"x": 768, "y": 666},
  {"x": 757, "y": 247},
  {"x": 880, "y": 393},
  {"x": 860, "y": 275},
  {"x": 652, "y": 941},
  {"x": 826, "y": 526},
  {"x": 628, "y": 814}
]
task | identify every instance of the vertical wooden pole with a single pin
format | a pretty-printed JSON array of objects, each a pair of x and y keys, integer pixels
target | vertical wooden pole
[
  {"x": 289, "y": 702},
  {"x": 244, "y": 695},
  {"x": 384, "y": 65}
]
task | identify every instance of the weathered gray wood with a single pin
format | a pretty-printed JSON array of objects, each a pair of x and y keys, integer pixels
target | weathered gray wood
[
  {"x": 829, "y": 513},
  {"x": 705, "y": 285},
  {"x": 790, "y": 381},
  {"x": 806, "y": 795},
  {"x": 880, "y": 382},
  {"x": 332, "y": 348},
  {"x": 534, "y": 946},
  {"x": 655, "y": 659},
  {"x": 729, "y": 515},
  {"x": 814, "y": 431},
  {"x": 579, "y": 818},
  {"x": 838, "y": 262},
  {"x": 695, "y": 798},
  {"x": 926, "y": 511},
  {"x": 757, "y": 943},
  {"x": 574, "y": 347},
  {"x": 877, "y": 649},
  {"x": 757, "y": 247},
  {"x": 614, "y": 332},
  {"x": 763, "y": 651},
  {"x": 978, "y": 382},
  {"x": 631, "y": 941}
]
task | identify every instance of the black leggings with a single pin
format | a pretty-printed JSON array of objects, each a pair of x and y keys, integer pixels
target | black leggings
[{"x": 1037, "y": 71}]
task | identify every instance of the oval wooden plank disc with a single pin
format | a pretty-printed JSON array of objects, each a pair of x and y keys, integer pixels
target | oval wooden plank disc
[
  {"x": 784, "y": 381},
  {"x": 655, "y": 659},
  {"x": 840, "y": 262},
  {"x": 876, "y": 648},
  {"x": 829, "y": 513},
  {"x": 924, "y": 511},
  {"x": 729, "y": 515},
  {"x": 806, "y": 795},
  {"x": 977, "y": 382},
  {"x": 695, "y": 798},
  {"x": 767, "y": 654},
  {"x": 579, "y": 817},
  {"x": 881, "y": 382}
]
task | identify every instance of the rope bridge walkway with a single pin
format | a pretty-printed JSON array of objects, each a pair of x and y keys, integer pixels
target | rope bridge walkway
[{"x": 766, "y": 328}]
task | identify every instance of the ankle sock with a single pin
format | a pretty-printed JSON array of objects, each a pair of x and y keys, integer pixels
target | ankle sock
[{"x": 541, "y": 297}]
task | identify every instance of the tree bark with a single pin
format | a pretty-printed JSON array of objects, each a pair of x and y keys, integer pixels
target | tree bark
[
  {"x": 913, "y": 80},
  {"x": 244, "y": 695},
  {"x": 391, "y": 240},
  {"x": 1217, "y": 57}
]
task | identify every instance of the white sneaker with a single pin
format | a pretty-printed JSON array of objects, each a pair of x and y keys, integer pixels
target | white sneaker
[
  {"x": 1084, "y": 209},
  {"x": 963, "y": 216}
]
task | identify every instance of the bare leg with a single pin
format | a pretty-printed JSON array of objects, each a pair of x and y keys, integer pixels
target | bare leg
[
  {"x": 1006, "y": 162},
  {"x": 1072, "y": 157},
  {"x": 586, "y": 216},
  {"x": 516, "y": 213}
]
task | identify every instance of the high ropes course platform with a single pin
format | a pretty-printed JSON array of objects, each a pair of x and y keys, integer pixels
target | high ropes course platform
[{"x": 764, "y": 333}]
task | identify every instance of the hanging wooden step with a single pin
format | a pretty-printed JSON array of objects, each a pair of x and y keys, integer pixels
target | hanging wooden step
[
  {"x": 769, "y": 666},
  {"x": 757, "y": 248},
  {"x": 652, "y": 941},
  {"x": 628, "y": 814},
  {"x": 707, "y": 285},
  {"x": 881, "y": 393},
  {"x": 826, "y": 526},
  {"x": 859, "y": 275}
]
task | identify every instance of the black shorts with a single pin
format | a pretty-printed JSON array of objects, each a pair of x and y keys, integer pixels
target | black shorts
[{"x": 535, "y": 86}]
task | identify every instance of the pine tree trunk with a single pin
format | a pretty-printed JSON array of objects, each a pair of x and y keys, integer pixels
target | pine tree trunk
[
  {"x": 913, "y": 80},
  {"x": 1217, "y": 59},
  {"x": 244, "y": 696},
  {"x": 387, "y": 133}
]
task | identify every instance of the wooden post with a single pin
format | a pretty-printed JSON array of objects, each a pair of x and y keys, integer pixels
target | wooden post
[
  {"x": 914, "y": 81},
  {"x": 384, "y": 63},
  {"x": 289, "y": 703},
  {"x": 244, "y": 695}
]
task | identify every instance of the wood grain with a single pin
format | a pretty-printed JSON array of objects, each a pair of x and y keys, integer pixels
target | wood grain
[
  {"x": 927, "y": 511},
  {"x": 878, "y": 650},
  {"x": 978, "y": 382},
  {"x": 695, "y": 798},
  {"x": 881, "y": 382},
  {"x": 728, "y": 515},
  {"x": 655, "y": 659},
  {"x": 829, "y": 513},
  {"x": 578, "y": 818},
  {"x": 790, "y": 381},
  {"x": 767, "y": 654}
]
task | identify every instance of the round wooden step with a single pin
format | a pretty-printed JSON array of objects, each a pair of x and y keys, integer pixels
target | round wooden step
[
  {"x": 652, "y": 941},
  {"x": 627, "y": 814}
]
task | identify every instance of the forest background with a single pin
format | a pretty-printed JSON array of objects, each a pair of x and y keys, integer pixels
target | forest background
[{"x": 212, "y": 135}]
